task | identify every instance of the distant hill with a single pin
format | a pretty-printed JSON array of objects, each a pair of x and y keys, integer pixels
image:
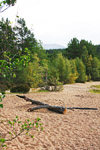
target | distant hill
[{"x": 52, "y": 46}]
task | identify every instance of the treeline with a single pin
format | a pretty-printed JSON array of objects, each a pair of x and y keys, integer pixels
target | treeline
[
  {"x": 24, "y": 61},
  {"x": 83, "y": 51}
]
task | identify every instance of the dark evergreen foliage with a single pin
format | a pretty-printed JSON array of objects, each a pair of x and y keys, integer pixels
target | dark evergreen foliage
[{"x": 22, "y": 88}]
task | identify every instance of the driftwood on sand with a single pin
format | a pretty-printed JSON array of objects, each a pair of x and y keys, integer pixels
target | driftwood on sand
[{"x": 58, "y": 109}]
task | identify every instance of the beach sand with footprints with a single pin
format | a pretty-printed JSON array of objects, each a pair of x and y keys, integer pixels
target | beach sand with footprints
[{"x": 74, "y": 130}]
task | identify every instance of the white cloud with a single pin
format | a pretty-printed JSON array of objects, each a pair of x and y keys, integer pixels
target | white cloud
[{"x": 57, "y": 21}]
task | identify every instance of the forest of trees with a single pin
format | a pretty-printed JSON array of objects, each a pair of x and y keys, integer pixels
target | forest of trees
[{"x": 24, "y": 61}]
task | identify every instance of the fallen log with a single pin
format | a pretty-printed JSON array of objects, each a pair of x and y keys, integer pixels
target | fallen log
[{"x": 58, "y": 109}]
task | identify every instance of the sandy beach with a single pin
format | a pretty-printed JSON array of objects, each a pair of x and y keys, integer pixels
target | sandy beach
[{"x": 75, "y": 130}]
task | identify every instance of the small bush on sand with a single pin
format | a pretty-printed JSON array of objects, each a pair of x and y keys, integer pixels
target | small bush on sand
[
  {"x": 3, "y": 87},
  {"x": 22, "y": 88}
]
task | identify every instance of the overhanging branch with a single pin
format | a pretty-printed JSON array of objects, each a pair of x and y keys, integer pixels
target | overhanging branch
[{"x": 4, "y": 9}]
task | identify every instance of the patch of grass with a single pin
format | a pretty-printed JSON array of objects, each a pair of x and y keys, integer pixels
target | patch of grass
[
  {"x": 95, "y": 86},
  {"x": 97, "y": 91},
  {"x": 43, "y": 91}
]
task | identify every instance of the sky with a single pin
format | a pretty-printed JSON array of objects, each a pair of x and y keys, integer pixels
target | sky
[{"x": 58, "y": 21}]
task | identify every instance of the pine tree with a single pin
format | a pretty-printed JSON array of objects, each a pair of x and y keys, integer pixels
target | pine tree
[
  {"x": 95, "y": 71},
  {"x": 73, "y": 49},
  {"x": 74, "y": 73},
  {"x": 81, "y": 70},
  {"x": 64, "y": 68}
]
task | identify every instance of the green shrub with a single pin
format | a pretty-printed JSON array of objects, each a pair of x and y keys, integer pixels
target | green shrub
[
  {"x": 3, "y": 87},
  {"x": 22, "y": 88},
  {"x": 8, "y": 84}
]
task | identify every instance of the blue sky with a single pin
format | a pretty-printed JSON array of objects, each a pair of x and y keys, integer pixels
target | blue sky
[{"x": 58, "y": 21}]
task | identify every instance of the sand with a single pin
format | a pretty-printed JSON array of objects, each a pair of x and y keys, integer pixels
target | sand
[{"x": 75, "y": 130}]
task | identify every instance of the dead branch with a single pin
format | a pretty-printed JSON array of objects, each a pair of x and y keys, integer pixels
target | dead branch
[
  {"x": 82, "y": 108},
  {"x": 58, "y": 109},
  {"x": 32, "y": 101}
]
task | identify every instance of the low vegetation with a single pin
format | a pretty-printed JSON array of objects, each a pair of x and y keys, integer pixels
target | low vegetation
[
  {"x": 22, "y": 88},
  {"x": 23, "y": 128},
  {"x": 16, "y": 127},
  {"x": 95, "y": 89},
  {"x": 95, "y": 86}
]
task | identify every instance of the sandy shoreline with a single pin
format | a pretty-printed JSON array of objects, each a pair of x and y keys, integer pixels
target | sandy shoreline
[{"x": 75, "y": 130}]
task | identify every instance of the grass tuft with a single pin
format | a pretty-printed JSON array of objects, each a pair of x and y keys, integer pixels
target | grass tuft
[
  {"x": 43, "y": 91},
  {"x": 97, "y": 91},
  {"x": 95, "y": 86}
]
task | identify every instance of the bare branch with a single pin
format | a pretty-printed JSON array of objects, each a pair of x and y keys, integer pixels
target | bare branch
[
  {"x": 4, "y": 9},
  {"x": 14, "y": 136}
]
